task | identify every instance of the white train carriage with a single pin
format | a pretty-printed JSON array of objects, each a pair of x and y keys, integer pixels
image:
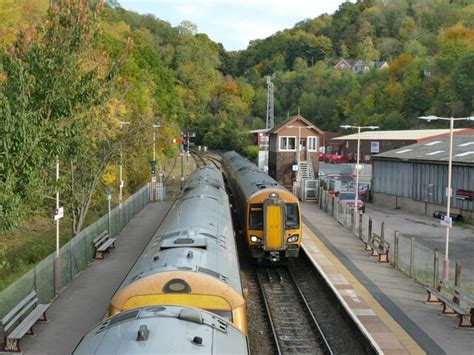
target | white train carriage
[
  {"x": 163, "y": 330},
  {"x": 192, "y": 258}
]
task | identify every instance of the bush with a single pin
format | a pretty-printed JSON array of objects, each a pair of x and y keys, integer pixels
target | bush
[{"x": 251, "y": 152}]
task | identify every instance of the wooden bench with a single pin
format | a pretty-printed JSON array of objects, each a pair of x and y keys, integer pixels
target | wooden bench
[
  {"x": 102, "y": 244},
  {"x": 20, "y": 320},
  {"x": 378, "y": 247},
  {"x": 454, "y": 305}
]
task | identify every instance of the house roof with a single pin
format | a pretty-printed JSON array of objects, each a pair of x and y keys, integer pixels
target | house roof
[
  {"x": 402, "y": 135},
  {"x": 435, "y": 151},
  {"x": 292, "y": 120}
]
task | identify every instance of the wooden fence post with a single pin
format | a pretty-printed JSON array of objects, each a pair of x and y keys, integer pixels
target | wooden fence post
[
  {"x": 396, "y": 249},
  {"x": 369, "y": 236},
  {"x": 457, "y": 275},
  {"x": 412, "y": 257},
  {"x": 382, "y": 231},
  {"x": 360, "y": 226},
  {"x": 332, "y": 206},
  {"x": 436, "y": 268}
]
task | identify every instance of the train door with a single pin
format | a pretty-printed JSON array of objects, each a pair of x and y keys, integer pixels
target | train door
[{"x": 274, "y": 222}]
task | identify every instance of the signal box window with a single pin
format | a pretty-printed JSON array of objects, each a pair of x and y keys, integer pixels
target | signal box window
[
  {"x": 256, "y": 217},
  {"x": 292, "y": 216},
  {"x": 312, "y": 143},
  {"x": 287, "y": 143}
]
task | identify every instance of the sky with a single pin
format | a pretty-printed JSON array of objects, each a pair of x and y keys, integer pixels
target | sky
[{"x": 234, "y": 22}]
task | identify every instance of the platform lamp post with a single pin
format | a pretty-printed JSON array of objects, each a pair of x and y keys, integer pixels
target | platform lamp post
[
  {"x": 109, "y": 191},
  {"x": 447, "y": 219},
  {"x": 359, "y": 128},
  {"x": 58, "y": 214},
  {"x": 121, "y": 184},
  {"x": 153, "y": 164}
]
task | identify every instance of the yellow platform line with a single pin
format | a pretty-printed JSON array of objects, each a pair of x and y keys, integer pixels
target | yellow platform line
[{"x": 408, "y": 342}]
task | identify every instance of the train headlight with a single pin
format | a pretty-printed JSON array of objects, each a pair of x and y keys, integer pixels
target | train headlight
[
  {"x": 255, "y": 239},
  {"x": 293, "y": 238}
]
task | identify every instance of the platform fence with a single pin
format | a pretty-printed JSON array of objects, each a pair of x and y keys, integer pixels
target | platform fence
[
  {"x": 413, "y": 258},
  {"x": 75, "y": 255}
]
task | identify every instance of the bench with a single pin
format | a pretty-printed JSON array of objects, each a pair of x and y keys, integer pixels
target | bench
[
  {"x": 102, "y": 244},
  {"x": 378, "y": 247},
  {"x": 20, "y": 320},
  {"x": 454, "y": 305}
]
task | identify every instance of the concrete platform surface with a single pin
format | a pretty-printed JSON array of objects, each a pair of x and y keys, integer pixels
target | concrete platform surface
[
  {"x": 84, "y": 303},
  {"x": 398, "y": 300}
]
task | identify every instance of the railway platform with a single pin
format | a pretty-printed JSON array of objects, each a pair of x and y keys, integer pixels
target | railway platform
[
  {"x": 81, "y": 305},
  {"x": 389, "y": 305}
]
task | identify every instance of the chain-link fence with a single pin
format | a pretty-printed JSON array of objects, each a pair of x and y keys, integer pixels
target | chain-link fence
[
  {"x": 408, "y": 255},
  {"x": 75, "y": 255}
]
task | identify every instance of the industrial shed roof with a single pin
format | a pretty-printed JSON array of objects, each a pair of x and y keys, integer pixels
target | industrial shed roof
[
  {"x": 403, "y": 135},
  {"x": 435, "y": 151}
]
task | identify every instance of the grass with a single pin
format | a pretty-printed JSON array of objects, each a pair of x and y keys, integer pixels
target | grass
[{"x": 24, "y": 247}]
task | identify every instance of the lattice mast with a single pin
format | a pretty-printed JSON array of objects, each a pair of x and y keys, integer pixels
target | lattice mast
[{"x": 270, "y": 108}]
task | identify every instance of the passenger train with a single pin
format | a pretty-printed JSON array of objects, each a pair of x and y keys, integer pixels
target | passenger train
[
  {"x": 270, "y": 214},
  {"x": 186, "y": 283}
]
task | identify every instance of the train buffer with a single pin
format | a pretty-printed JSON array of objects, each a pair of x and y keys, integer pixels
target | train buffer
[
  {"x": 20, "y": 320},
  {"x": 102, "y": 244}
]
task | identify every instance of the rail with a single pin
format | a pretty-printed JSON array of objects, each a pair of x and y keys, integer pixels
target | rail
[{"x": 294, "y": 326}]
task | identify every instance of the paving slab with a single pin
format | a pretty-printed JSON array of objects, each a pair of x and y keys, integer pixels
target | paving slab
[
  {"x": 84, "y": 302},
  {"x": 402, "y": 297}
]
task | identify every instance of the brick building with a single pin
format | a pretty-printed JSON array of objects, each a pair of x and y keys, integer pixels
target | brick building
[{"x": 293, "y": 137}]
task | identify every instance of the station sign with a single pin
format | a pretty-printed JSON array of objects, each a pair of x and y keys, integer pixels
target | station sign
[
  {"x": 375, "y": 147},
  {"x": 447, "y": 221},
  {"x": 58, "y": 213}
]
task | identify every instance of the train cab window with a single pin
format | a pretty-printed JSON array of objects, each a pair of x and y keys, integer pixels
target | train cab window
[
  {"x": 256, "y": 217},
  {"x": 222, "y": 313},
  {"x": 292, "y": 216}
]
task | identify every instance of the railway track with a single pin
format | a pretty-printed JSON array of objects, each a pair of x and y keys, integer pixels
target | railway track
[
  {"x": 202, "y": 159},
  {"x": 294, "y": 326}
]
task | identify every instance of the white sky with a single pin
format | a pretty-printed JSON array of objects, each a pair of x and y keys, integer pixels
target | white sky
[{"x": 234, "y": 23}]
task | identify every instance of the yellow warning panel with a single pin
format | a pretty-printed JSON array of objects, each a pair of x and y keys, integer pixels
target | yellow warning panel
[{"x": 274, "y": 227}]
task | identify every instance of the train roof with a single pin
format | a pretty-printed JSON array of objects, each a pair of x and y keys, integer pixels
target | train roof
[
  {"x": 250, "y": 178},
  {"x": 163, "y": 330},
  {"x": 196, "y": 236}
]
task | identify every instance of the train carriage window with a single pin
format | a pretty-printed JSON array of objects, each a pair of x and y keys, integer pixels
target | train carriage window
[
  {"x": 292, "y": 216},
  {"x": 256, "y": 217}
]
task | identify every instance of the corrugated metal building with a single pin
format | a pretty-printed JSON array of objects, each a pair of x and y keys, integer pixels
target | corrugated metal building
[
  {"x": 415, "y": 177},
  {"x": 375, "y": 142}
]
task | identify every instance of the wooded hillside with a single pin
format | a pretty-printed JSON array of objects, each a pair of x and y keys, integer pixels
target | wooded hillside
[{"x": 71, "y": 73}]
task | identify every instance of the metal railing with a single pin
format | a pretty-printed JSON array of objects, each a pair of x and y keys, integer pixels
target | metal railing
[
  {"x": 405, "y": 254},
  {"x": 75, "y": 255}
]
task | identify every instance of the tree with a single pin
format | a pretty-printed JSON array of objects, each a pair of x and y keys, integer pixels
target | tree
[
  {"x": 51, "y": 79},
  {"x": 367, "y": 51}
]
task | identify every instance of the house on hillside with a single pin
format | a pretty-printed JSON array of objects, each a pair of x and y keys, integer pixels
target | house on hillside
[
  {"x": 360, "y": 66},
  {"x": 343, "y": 64},
  {"x": 294, "y": 150}
]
